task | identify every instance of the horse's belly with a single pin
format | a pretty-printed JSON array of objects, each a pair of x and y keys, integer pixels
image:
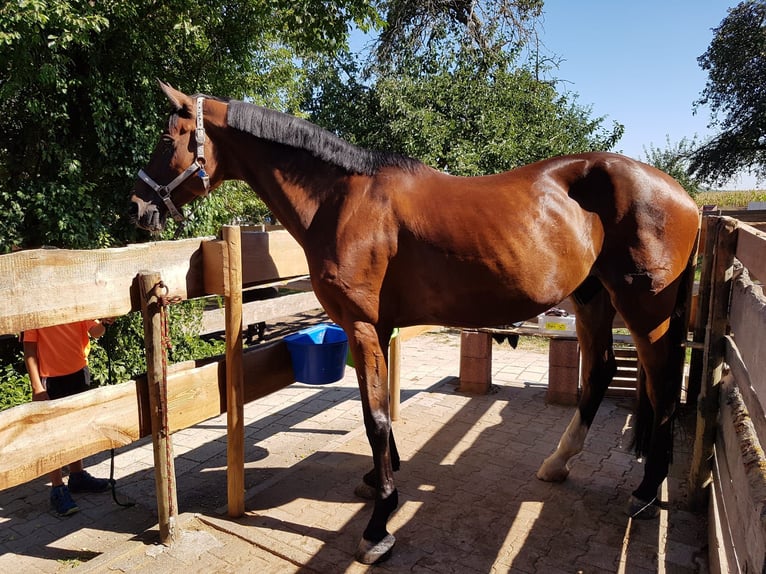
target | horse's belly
[{"x": 472, "y": 300}]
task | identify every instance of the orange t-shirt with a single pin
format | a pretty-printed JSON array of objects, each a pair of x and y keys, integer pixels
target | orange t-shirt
[{"x": 61, "y": 349}]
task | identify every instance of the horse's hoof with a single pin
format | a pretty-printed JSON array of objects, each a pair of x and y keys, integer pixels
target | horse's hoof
[
  {"x": 366, "y": 491},
  {"x": 641, "y": 509},
  {"x": 374, "y": 552},
  {"x": 550, "y": 472}
]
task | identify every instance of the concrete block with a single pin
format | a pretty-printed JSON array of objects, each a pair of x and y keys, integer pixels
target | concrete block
[
  {"x": 564, "y": 353},
  {"x": 475, "y": 362},
  {"x": 563, "y": 385},
  {"x": 475, "y": 344}
]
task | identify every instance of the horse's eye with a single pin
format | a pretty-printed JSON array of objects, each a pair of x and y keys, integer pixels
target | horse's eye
[{"x": 167, "y": 143}]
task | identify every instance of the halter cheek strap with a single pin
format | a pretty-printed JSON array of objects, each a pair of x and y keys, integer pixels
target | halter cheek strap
[{"x": 198, "y": 167}]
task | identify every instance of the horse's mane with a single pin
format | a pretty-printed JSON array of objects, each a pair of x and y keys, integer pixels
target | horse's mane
[{"x": 298, "y": 133}]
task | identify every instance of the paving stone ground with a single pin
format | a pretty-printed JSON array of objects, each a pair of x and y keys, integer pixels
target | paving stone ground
[{"x": 469, "y": 499}]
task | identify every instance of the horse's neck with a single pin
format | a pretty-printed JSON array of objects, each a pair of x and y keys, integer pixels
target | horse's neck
[{"x": 288, "y": 186}]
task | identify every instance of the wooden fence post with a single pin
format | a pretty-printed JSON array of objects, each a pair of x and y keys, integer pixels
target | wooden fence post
[
  {"x": 156, "y": 374},
  {"x": 394, "y": 375},
  {"x": 235, "y": 403},
  {"x": 723, "y": 244},
  {"x": 699, "y": 329}
]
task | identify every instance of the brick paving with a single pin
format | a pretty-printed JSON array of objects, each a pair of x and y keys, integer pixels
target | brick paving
[{"x": 469, "y": 500}]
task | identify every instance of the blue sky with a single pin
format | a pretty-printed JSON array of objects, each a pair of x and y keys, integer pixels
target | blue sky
[{"x": 636, "y": 63}]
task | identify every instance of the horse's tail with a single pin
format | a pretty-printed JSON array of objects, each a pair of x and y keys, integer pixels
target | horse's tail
[{"x": 647, "y": 421}]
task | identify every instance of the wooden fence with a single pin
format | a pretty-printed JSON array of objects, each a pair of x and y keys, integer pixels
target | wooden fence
[
  {"x": 731, "y": 424},
  {"x": 52, "y": 286}
]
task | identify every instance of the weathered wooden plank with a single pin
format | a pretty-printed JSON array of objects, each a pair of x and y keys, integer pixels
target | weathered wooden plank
[
  {"x": 747, "y": 318},
  {"x": 199, "y": 393},
  {"x": 44, "y": 287},
  {"x": 748, "y": 215},
  {"x": 214, "y": 256},
  {"x": 267, "y": 256},
  {"x": 153, "y": 312},
  {"x": 753, "y": 401},
  {"x": 722, "y": 554},
  {"x": 73, "y": 427},
  {"x": 266, "y": 310},
  {"x": 722, "y": 237},
  {"x": 751, "y": 250},
  {"x": 745, "y": 462},
  {"x": 110, "y": 417},
  {"x": 707, "y": 240}
]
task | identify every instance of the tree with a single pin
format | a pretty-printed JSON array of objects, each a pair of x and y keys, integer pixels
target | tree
[
  {"x": 456, "y": 103},
  {"x": 82, "y": 112},
  {"x": 674, "y": 160},
  {"x": 736, "y": 65},
  {"x": 81, "y": 109},
  {"x": 491, "y": 26}
]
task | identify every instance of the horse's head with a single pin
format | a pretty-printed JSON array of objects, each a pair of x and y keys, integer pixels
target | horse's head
[{"x": 180, "y": 169}]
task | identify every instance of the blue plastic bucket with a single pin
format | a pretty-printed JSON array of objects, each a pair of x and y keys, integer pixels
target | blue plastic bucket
[{"x": 318, "y": 354}]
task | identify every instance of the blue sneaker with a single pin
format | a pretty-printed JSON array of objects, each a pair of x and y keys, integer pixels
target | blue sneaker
[
  {"x": 84, "y": 482},
  {"x": 62, "y": 502}
]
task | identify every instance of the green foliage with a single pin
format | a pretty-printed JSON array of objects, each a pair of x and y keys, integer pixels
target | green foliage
[
  {"x": 674, "y": 160},
  {"x": 185, "y": 326},
  {"x": 81, "y": 108},
  {"x": 736, "y": 65},
  {"x": 232, "y": 203},
  {"x": 119, "y": 354},
  {"x": 121, "y": 349},
  {"x": 14, "y": 384},
  {"x": 458, "y": 111},
  {"x": 416, "y": 28}
]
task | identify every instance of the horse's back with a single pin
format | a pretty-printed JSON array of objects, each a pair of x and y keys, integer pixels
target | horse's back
[{"x": 485, "y": 250}]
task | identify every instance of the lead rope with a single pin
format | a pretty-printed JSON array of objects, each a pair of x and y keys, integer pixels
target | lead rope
[
  {"x": 112, "y": 481},
  {"x": 644, "y": 507}
]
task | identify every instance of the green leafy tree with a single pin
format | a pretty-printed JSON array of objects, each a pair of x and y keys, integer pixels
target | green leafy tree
[
  {"x": 81, "y": 109},
  {"x": 736, "y": 65},
  {"x": 82, "y": 112},
  {"x": 674, "y": 160},
  {"x": 414, "y": 27},
  {"x": 455, "y": 103}
]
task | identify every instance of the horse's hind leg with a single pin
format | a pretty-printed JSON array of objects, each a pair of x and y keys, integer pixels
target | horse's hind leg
[
  {"x": 659, "y": 390},
  {"x": 595, "y": 315}
]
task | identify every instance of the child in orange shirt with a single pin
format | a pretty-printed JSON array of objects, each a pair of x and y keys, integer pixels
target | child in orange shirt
[{"x": 57, "y": 362}]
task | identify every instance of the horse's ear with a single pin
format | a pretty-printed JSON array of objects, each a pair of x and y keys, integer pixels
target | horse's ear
[{"x": 177, "y": 99}]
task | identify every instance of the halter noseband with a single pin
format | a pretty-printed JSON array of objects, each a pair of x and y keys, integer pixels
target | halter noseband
[{"x": 164, "y": 191}]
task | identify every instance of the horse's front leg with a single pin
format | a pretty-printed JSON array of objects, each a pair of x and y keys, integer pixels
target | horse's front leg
[{"x": 372, "y": 373}]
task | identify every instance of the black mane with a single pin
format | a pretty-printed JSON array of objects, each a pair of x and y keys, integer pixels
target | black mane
[{"x": 298, "y": 133}]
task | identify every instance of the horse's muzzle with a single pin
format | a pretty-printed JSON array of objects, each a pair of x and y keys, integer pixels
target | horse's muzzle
[{"x": 145, "y": 215}]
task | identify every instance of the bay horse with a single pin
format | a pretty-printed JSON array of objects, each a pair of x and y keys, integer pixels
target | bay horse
[{"x": 391, "y": 242}]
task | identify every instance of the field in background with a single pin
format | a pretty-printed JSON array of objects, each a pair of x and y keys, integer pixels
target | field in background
[{"x": 730, "y": 199}]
